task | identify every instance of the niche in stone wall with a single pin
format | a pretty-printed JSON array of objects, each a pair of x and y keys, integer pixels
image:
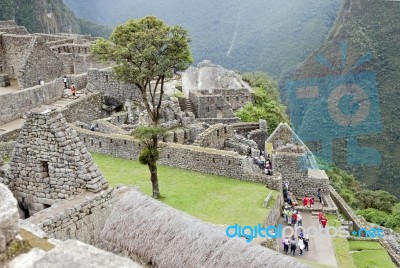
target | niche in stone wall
[{"x": 44, "y": 169}]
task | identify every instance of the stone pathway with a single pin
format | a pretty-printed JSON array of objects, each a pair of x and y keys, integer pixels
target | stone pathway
[{"x": 320, "y": 248}]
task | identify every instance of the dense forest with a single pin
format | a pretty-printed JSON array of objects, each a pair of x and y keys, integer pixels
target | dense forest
[
  {"x": 370, "y": 31},
  {"x": 255, "y": 35},
  {"x": 48, "y": 16}
]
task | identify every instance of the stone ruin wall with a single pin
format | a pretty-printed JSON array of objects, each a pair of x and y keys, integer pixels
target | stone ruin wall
[
  {"x": 206, "y": 105},
  {"x": 238, "y": 98},
  {"x": 14, "y": 47},
  {"x": 215, "y": 136},
  {"x": 301, "y": 183},
  {"x": 39, "y": 62},
  {"x": 85, "y": 109},
  {"x": 114, "y": 92},
  {"x": 49, "y": 163},
  {"x": 206, "y": 160},
  {"x": 81, "y": 218},
  {"x": 14, "y": 105}
]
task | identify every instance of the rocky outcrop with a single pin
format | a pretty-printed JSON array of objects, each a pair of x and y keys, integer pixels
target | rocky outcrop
[{"x": 210, "y": 76}]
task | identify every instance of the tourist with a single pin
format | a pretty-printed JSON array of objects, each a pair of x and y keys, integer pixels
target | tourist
[
  {"x": 65, "y": 81},
  {"x": 293, "y": 246},
  {"x": 301, "y": 246},
  {"x": 286, "y": 184},
  {"x": 312, "y": 202},
  {"x": 324, "y": 222},
  {"x": 286, "y": 243},
  {"x": 319, "y": 195},
  {"x": 289, "y": 214},
  {"x": 294, "y": 217},
  {"x": 299, "y": 219},
  {"x": 73, "y": 89},
  {"x": 301, "y": 235},
  {"x": 320, "y": 216},
  {"x": 285, "y": 214},
  {"x": 305, "y": 201},
  {"x": 306, "y": 240}
]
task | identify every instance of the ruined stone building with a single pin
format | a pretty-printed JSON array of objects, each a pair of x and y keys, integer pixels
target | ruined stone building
[{"x": 29, "y": 58}]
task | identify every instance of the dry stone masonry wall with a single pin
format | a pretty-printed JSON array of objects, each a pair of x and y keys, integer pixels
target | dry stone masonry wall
[
  {"x": 114, "y": 92},
  {"x": 49, "y": 163},
  {"x": 81, "y": 217}
]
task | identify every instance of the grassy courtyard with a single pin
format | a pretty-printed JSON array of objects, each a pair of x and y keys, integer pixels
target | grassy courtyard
[
  {"x": 359, "y": 253},
  {"x": 214, "y": 199}
]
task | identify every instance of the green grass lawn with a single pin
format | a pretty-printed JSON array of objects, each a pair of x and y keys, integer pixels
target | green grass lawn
[
  {"x": 359, "y": 253},
  {"x": 341, "y": 246},
  {"x": 370, "y": 254},
  {"x": 214, "y": 199}
]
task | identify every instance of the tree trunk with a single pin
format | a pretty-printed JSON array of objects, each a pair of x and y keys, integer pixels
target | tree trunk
[
  {"x": 154, "y": 181},
  {"x": 153, "y": 169}
]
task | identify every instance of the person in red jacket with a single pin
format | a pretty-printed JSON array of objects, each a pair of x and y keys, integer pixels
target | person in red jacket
[
  {"x": 324, "y": 221},
  {"x": 312, "y": 202},
  {"x": 305, "y": 201},
  {"x": 294, "y": 217},
  {"x": 320, "y": 216}
]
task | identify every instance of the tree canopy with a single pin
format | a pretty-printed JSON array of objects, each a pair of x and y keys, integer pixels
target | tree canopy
[
  {"x": 144, "y": 53},
  {"x": 146, "y": 50}
]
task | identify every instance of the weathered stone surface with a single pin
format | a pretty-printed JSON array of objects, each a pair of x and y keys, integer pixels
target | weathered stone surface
[
  {"x": 8, "y": 217},
  {"x": 27, "y": 260},
  {"x": 49, "y": 162},
  {"x": 69, "y": 254},
  {"x": 211, "y": 76}
]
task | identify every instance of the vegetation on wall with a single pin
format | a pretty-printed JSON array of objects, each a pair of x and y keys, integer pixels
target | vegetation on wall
[{"x": 267, "y": 104}]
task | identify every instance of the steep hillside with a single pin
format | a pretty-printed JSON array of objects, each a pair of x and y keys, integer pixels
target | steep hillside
[
  {"x": 48, "y": 16},
  {"x": 369, "y": 69},
  {"x": 251, "y": 35}
]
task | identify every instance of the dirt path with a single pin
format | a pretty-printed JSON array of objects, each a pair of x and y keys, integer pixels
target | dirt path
[{"x": 320, "y": 247}]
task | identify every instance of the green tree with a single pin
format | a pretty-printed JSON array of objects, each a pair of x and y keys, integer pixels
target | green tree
[
  {"x": 380, "y": 200},
  {"x": 267, "y": 104},
  {"x": 144, "y": 52}
]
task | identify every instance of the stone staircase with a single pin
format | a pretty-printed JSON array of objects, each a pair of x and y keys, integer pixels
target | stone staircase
[{"x": 189, "y": 106}]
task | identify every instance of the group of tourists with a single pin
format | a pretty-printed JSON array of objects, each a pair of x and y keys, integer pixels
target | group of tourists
[
  {"x": 292, "y": 245},
  {"x": 263, "y": 162},
  {"x": 294, "y": 218},
  {"x": 72, "y": 87}
]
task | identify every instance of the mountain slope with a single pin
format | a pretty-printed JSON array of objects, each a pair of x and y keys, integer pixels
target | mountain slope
[
  {"x": 48, "y": 16},
  {"x": 369, "y": 28},
  {"x": 265, "y": 35}
]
